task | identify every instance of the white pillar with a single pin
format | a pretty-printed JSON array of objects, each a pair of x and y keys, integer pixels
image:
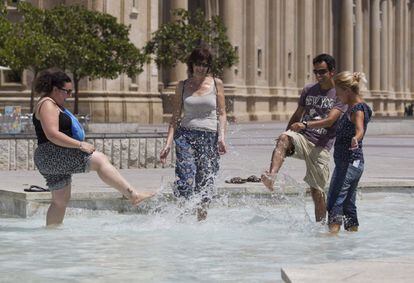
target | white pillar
[
  {"x": 384, "y": 46},
  {"x": 375, "y": 46},
  {"x": 346, "y": 36},
  {"x": 411, "y": 11},
  {"x": 358, "y": 37},
  {"x": 179, "y": 72}
]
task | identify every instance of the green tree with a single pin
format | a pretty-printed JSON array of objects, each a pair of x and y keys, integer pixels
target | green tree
[
  {"x": 5, "y": 30},
  {"x": 95, "y": 45},
  {"x": 174, "y": 41},
  {"x": 27, "y": 45}
]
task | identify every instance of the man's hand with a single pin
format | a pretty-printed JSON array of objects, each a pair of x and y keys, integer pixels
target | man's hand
[{"x": 297, "y": 127}]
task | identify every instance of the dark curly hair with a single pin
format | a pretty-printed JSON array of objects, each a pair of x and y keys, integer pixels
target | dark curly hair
[
  {"x": 200, "y": 54},
  {"x": 48, "y": 79},
  {"x": 328, "y": 59}
]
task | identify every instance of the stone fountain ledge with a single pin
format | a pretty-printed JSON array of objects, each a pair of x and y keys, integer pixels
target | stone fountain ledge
[
  {"x": 398, "y": 269},
  {"x": 14, "y": 202}
]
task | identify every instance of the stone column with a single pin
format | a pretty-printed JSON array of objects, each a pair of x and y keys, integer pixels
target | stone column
[
  {"x": 250, "y": 65},
  {"x": 304, "y": 42},
  {"x": 384, "y": 46},
  {"x": 407, "y": 53},
  {"x": 375, "y": 46},
  {"x": 365, "y": 37},
  {"x": 274, "y": 43},
  {"x": 179, "y": 72},
  {"x": 322, "y": 26},
  {"x": 346, "y": 36},
  {"x": 358, "y": 37},
  {"x": 391, "y": 45},
  {"x": 97, "y": 5},
  {"x": 411, "y": 12},
  {"x": 288, "y": 47},
  {"x": 398, "y": 47},
  {"x": 229, "y": 18}
]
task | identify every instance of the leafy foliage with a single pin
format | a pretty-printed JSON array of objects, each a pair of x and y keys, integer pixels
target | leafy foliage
[
  {"x": 26, "y": 45},
  {"x": 72, "y": 38},
  {"x": 5, "y": 31},
  {"x": 96, "y": 45},
  {"x": 175, "y": 41}
]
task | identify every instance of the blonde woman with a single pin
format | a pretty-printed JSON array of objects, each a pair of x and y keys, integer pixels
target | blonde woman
[{"x": 348, "y": 154}]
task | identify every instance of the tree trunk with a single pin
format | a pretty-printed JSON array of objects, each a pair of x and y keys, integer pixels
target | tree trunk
[
  {"x": 76, "y": 85},
  {"x": 32, "y": 93}
]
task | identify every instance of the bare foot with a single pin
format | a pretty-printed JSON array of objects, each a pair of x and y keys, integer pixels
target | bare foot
[
  {"x": 334, "y": 228},
  {"x": 268, "y": 180},
  {"x": 201, "y": 214},
  {"x": 352, "y": 229},
  {"x": 137, "y": 197}
]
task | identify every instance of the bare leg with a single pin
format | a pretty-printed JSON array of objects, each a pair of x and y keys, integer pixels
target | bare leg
[
  {"x": 320, "y": 204},
  {"x": 108, "y": 173},
  {"x": 284, "y": 144},
  {"x": 57, "y": 208}
]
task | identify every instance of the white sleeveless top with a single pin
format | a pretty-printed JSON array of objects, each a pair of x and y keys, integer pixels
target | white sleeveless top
[{"x": 200, "y": 112}]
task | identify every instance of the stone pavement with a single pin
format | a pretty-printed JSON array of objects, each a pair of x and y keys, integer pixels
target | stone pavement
[
  {"x": 353, "y": 271},
  {"x": 388, "y": 149}
]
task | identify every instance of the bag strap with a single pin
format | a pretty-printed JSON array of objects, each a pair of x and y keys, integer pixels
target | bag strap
[
  {"x": 182, "y": 98},
  {"x": 40, "y": 103}
]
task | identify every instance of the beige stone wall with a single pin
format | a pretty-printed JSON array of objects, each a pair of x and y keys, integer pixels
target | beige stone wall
[{"x": 276, "y": 41}]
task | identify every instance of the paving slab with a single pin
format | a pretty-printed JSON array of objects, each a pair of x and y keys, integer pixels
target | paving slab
[{"x": 396, "y": 270}]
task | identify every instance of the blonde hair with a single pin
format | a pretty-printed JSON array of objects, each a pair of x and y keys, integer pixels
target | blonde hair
[{"x": 350, "y": 80}]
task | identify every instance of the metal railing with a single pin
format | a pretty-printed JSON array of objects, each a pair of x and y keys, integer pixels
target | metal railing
[{"x": 140, "y": 150}]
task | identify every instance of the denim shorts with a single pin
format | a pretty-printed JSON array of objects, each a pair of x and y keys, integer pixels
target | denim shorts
[{"x": 341, "y": 204}]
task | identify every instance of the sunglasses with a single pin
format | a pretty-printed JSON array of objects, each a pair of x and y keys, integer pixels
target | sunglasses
[
  {"x": 67, "y": 91},
  {"x": 202, "y": 64},
  {"x": 320, "y": 71}
]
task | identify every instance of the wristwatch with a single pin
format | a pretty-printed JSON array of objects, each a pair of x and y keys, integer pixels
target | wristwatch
[{"x": 305, "y": 123}]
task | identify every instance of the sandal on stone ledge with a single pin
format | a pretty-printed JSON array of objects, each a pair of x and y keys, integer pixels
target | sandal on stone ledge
[
  {"x": 253, "y": 179},
  {"x": 36, "y": 189},
  {"x": 236, "y": 180}
]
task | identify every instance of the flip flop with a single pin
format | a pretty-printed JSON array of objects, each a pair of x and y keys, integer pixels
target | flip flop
[
  {"x": 253, "y": 179},
  {"x": 236, "y": 180},
  {"x": 36, "y": 189}
]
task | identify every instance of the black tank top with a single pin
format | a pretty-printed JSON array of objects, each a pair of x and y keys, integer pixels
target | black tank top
[{"x": 65, "y": 126}]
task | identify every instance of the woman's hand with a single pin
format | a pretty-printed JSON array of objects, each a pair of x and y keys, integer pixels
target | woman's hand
[
  {"x": 86, "y": 147},
  {"x": 354, "y": 143},
  {"x": 164, "y": 153},
  {"x": 222, "y": 147}
]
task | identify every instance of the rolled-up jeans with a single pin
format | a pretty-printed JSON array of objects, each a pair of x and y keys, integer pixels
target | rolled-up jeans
[{"x": 341, "y": 204}]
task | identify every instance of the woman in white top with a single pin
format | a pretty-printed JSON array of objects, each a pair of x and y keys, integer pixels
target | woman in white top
[{"x": 198, "y": 128}]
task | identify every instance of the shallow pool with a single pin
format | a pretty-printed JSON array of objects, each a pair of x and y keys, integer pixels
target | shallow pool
[{"x": 247, "y": 242}]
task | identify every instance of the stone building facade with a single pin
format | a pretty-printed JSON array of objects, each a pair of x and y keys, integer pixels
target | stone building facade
[{"x": 276, "y": 41}]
